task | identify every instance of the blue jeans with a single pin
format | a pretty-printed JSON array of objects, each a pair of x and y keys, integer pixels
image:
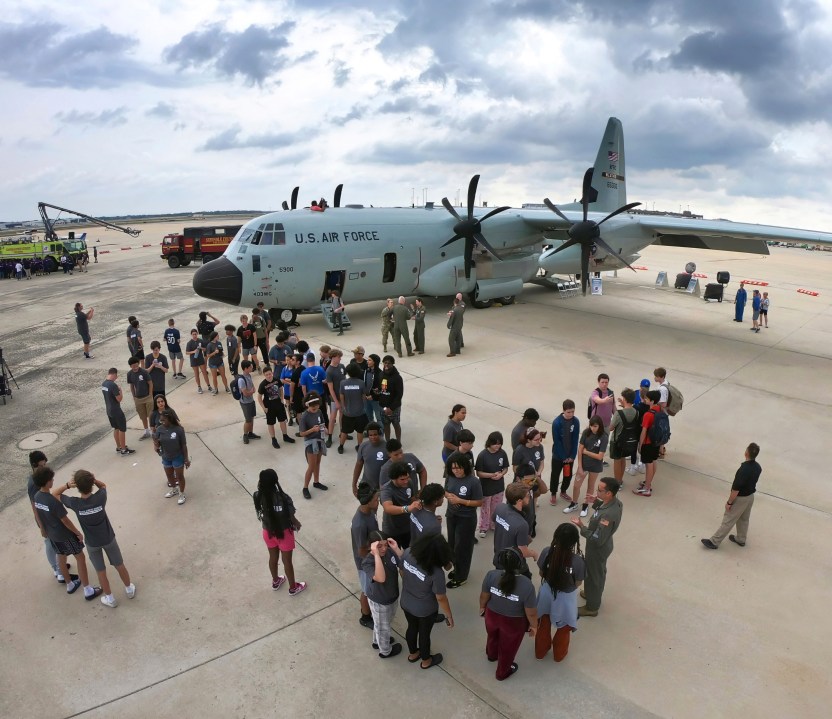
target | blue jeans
[{"x": 373, "y": 410}]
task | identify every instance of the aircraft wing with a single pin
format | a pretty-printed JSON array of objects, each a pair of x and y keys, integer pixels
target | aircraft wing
[{"x": 724, "y": 234}]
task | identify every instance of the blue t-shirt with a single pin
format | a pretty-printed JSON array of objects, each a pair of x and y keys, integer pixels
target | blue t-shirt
[
  {"x": 286, "y": 373},
  {"x": 755, "y": 303},
  {"x": 313, "y": 379},
  {"x": 172, "y": 338}
]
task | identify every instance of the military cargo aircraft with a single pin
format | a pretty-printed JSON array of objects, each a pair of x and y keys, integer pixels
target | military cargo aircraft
[{"x": 291, "y": 259}]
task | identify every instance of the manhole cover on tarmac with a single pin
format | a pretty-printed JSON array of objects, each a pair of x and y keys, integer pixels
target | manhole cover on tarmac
[{"x": 37, "y": 441}]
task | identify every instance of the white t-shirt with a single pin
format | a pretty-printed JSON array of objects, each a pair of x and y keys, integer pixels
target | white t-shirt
[{"x": 664, "y": 392}]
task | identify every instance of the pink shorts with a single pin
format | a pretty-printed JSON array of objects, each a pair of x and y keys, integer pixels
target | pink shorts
[{"x": 286, "y": 544}]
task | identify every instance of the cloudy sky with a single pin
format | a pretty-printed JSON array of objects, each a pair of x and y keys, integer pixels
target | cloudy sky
[{"x": 189, "y": 105}]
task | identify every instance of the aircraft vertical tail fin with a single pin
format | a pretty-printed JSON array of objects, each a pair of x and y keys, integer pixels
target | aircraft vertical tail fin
[{"x": 608, "y": 183}]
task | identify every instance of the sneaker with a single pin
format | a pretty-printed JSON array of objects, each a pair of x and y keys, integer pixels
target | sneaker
[
  {"x": 366, "y": 621},
  {"x": 340, "y": 449},
  {"x": 291, "y": 423},
  {"x": 454, "y": 583},
  {"x": 297, "y": 589},
  {"x": 278, "y": 583},
  {"x": 482, "y": 534},
  {"x": 72, "y": 586},
  {"x": 640, "y": 468},
  {"x": 584, "y": 511},
  {"x": 144, "y": 437},
  {"x": 130, "y": 590},
  {"x": 215, "y": 392},
  {"x": 172, "y": 492},
  {"x": 181, "y": 499},
  {"x": 96, "y": 591},
  {"x": 228, "y": 390},
  {"x": 631, "y": 469},
  {"x": 571, "y": 508},
  {"x": 306, "y": 493},
  {"x": 126, "y": 450},
  {"x": 275, "y": 443},
  {"x": 564, "y": 495},
  {"x": 89, "y": 356},
  {"x": 641, "y": 484},
  {"x": 199, "y": 390},
  {"x": 329, "y": 441},
  {"x": 287, "y": 438},
  {"x": 643, "y": 492},
  {"x": 395, "y": 650},
  {"x": 245, "y": 439},
  {"x": 320, "y": 485},
  {"x": 251, "y": 435},
  {"x": 553, "y": 499},
  {"x": 72, "y": 578},
  {"x": 109, "y": 601}
]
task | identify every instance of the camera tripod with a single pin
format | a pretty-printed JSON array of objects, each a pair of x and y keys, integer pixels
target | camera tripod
[{"x": 6, "y": 374}]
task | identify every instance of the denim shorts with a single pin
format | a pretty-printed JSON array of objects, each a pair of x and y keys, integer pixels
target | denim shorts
[{"x": 177, "y": 462}]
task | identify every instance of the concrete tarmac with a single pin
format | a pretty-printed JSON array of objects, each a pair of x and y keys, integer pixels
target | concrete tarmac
[{"x": 683, "y": 632}]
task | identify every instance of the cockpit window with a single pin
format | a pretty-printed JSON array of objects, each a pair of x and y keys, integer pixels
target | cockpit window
[
  {"x": 245, "y": 235},
  {"x": 279, "y": 234}
]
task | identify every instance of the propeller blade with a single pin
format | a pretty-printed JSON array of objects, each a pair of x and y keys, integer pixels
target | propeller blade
[
  {"x": 585, "y": 249},
  {"x": 625, "y": 208},
  {"x": 295, "y": 198},
  {"x": 551, "y": 206},
  {"x": 285, "y": 205},
  {"x": 587, "y": 188},
  {"x": 472, "y": 193},
  {"x": 469, "y": 251},
  {"x": 495, "y": 211},
  {"x": 336, "y": 201},
  {"x": 611, "y": 251},
  {"x": 568, "y": 243},
  {"x": 453, "y": 239},
  {"x": 479, "y": 238},
  {"x": 450, "y": 208}
]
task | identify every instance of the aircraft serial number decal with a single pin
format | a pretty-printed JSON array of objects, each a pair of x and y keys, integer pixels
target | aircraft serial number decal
[
  {"x": 286, "y": 269},
  {"x": 311, "y": 237}
]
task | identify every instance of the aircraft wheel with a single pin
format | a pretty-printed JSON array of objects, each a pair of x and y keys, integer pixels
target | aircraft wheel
[
  {"x": 505, "y": 301},
  {"x": 478, "y": 304},
  {"x": 173, "y": 262},
  {"x": 288, "y": 316}
]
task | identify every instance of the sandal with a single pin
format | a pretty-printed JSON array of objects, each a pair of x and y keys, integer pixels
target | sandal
[
  {"x": 435, "y": 661},
  {"x": 414, "y": 660}
]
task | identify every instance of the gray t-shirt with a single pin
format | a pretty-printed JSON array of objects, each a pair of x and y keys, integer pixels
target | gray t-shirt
[
  {"x": 385, "y": 592},
  {"x": 139, "y": 380},
  {"x": 490, "y": 463},
  {"x": 244, "y": 381},
  {"x": 156, "y": 373},
  {"x": 419, "y": 588},
  {"x": 362, "y": 525},
  {"x": 231, "y": 343},
  {"x": 577, "y": 570},
  {"x": 516, "y": 602},
  {"x": 532, "y": 456},
  {"x": 423, "y": 521},
  {"x": 51, "y": 512},
  {"x": 134, "y": 340},
  {"x": 411, "y": 460},
  {"x": 336, "y": 374},
  {"x": 353, "y": 391},
  {"x": 594, "y": 443},
  {"x": 518, "y": 431},
  {"x": 111, "y": 391},
  {"x": 92, "y": 517},
  {"x": 374, "y": 457},
  {"x": 397, "y": 524},
  {"x": 308, "y": 420},
  {"x": 465, "y": 488},
  {"x": 172, "y": 441},
  {"x": 82, "y": 322},
  {"x": 198, "y": 349},
  {"x": 449, "y": 433},
  {"x": 510, "y": 530}
]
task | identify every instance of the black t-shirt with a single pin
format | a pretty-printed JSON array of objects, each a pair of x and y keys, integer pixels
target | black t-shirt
[
  {"x": 247, "y": 335},
  {"x": 272, "y": 393},
  {"x": 111, "y": 391},
  {"x": 745, "y": 480}
]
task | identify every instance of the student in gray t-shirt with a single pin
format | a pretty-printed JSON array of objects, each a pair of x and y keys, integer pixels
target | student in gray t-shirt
[
  {"x": 171, "y": 445},
  {"x": 363, "y": 523},
  {"x": 508, "y": 601},
  {"x": 372, "y": 456},
  {"x": 511, "y": 528},
  {"x": 399, "y": 499},
  {"x": 425, "y": 520},
  {"x": 101, "y": 539},
  {"x": 352, "y": 392}
]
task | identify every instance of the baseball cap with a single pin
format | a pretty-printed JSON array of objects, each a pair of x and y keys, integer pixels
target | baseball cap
[{"x": 645, "y": 383}]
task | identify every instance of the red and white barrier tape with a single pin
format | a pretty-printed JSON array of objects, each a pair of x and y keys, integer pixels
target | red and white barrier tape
[
  {"x": 756, "y": 282},
  {"x": 811, "y": 293}
]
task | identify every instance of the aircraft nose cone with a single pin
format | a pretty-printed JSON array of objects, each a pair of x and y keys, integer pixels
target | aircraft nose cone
[{"x": 219, "y": 280}]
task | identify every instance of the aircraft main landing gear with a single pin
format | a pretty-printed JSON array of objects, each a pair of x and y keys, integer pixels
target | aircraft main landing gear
[{"x": 479, "y": 304}]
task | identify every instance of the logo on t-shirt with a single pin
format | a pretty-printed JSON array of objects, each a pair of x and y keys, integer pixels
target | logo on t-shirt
[
  {"x": 497, "y": 593},
  {"x": 408, "y": 492},
  {"x": 463, "y": 490},
  {"x": 500, "y": 462},
  {"x": 413, "y": 570},
  {"x": 380, "y": 456},
  {"x": 502, "y": 522}
]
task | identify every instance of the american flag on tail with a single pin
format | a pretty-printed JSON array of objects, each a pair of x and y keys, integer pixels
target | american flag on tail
[{"x": 612, "y": 156}]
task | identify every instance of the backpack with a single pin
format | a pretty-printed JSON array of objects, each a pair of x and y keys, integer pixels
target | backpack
[
  {"x": 235, "y": 388},
  {"x": 659, "y": 431},
  {"x": 590, "y": 405},
  {"x": 675, "y": 400},
  {"x": 628, "y": 437}
]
